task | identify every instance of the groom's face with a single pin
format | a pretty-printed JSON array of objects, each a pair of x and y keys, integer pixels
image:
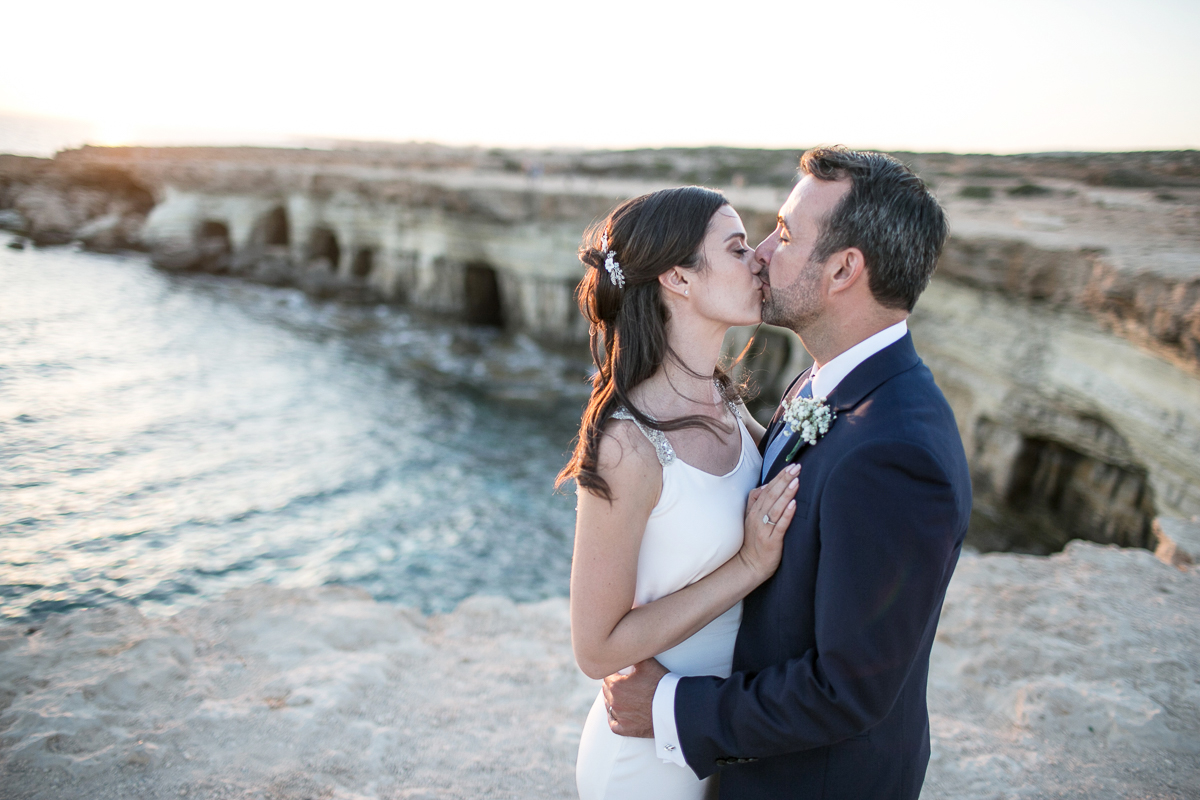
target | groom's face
[{"x": 793, "y": 285}]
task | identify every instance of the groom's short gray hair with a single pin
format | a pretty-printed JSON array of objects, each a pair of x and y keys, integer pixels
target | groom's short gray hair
[{"x": 888, "y": 214}]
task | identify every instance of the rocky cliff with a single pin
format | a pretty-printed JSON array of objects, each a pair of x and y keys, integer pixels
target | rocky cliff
[
  {"x": 57, "y": 202},
  {"x": 1064, "y": 323}
]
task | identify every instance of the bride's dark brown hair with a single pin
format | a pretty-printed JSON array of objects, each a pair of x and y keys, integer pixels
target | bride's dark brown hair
[{"x": 628, "y": 333}]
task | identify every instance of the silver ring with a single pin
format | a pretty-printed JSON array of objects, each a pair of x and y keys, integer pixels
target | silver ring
[{"x": 767, "y": 520}]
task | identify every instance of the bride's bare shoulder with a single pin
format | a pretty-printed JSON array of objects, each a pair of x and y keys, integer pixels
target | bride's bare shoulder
[
  {"x": 628, "y": 463},
  {"x": 624, "y": 447}
]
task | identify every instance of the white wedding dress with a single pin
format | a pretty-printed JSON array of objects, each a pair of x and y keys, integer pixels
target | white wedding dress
[{"x": 695, "y": 527}]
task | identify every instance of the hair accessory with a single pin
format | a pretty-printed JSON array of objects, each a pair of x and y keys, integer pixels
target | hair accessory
[{"x": 610, "y": 263}]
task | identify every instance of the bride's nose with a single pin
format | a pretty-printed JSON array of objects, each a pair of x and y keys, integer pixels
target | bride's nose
[{"x": 763, "y": 253}]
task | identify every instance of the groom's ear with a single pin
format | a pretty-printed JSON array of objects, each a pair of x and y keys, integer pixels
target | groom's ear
[{"x": 849, "y": 270}]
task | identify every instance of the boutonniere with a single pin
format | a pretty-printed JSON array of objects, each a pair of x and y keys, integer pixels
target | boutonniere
[{"x": 808, "y": 416}]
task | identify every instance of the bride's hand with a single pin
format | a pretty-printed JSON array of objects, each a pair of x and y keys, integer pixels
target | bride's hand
[{"x": 762, "y": 543}]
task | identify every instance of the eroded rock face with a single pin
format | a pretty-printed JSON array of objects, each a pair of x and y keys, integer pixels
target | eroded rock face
[
  {"x": 1112, "y": 235},
  {"x": 1178, "y": 541},
  {"x": 518, "y": 274},
  {"x": 1071, "y": 432},
  {"x": 101, "y": 206},
  {"x": 1162, "y": 311}
]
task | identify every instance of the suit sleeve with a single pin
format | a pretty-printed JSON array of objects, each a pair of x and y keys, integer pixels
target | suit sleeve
[{"x": 889, "y": 530}]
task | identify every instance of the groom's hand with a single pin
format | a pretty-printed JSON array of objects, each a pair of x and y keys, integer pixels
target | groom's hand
[{"x": 630, "y": 699}]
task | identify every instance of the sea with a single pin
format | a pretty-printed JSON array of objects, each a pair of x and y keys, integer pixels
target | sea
[{"x": 167, "y": 438}]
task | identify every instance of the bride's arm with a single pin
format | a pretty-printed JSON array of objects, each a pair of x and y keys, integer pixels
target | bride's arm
[
  {"x": 753, "y": 426},
  {"x": 606, "y": 634}
]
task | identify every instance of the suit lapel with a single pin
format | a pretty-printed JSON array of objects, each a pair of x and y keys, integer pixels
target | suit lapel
[{"x": 900, "y": 356}]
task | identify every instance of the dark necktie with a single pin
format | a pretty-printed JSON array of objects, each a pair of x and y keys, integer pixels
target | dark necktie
[{"x": 782, "y": 435}]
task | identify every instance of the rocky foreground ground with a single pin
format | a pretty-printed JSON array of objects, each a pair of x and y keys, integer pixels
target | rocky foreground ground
[{"x": 1070, "y": 676}]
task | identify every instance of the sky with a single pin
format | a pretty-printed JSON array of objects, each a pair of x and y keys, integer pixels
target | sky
[{"x": 926, "y": 75}]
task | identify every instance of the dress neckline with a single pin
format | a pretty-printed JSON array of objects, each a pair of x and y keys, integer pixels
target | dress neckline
[
  {"x": 666, "y": 452},
  {"x": 741, "y": 456}
]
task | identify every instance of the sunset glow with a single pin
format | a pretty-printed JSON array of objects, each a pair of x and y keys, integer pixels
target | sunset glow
[{"x": 929, "y": 75}]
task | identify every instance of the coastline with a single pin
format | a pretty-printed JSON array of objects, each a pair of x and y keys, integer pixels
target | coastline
[
  {"x": 1063, "y": 328},
  {"x": 1063, "y": 324},
  {"x": 1072, "y": 675}
]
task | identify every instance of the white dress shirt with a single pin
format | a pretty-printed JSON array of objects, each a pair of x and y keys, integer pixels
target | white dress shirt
[{"x": 824, "y": 381}]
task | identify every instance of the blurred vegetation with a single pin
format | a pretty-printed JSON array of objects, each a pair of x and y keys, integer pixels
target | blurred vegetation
[
  {"x": 1125, "y": 179},
  {"x": 1027, "y": 190},
  {"x": 976, "y": 192}
]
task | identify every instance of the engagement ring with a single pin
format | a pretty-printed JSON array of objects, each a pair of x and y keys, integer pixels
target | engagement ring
[{"x": 767, "y": 520}]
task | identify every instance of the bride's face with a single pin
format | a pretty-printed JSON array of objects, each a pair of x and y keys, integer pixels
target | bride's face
[{"x": 727, "y": 289}]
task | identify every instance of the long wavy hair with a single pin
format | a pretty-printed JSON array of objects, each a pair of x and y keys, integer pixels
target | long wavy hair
[{"x": 628, "y": 333}]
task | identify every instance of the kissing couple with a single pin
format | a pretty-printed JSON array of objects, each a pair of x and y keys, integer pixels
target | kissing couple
[{"x": 761, "y": 603}]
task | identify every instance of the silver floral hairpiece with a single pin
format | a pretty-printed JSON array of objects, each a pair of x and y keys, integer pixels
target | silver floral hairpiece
[{"x": 610, "y": 263}]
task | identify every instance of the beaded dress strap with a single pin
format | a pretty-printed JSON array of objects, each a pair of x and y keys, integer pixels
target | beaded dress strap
[{"x": 666, "y": 453}]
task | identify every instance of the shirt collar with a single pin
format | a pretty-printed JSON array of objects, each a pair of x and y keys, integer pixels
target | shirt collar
[{"x": 827, "y": 378}]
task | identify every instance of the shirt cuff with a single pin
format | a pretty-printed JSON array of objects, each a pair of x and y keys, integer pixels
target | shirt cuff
[{"x": 666, "y": 737}]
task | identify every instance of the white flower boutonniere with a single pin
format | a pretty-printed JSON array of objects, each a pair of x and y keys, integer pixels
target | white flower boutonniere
[{"x": 810, "y": 417}]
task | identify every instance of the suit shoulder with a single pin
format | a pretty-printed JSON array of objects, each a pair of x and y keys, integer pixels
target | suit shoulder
[
  {"x": 914, "y": 400},
  {"x": 916, "y": 383},
  {"x": 899, "y": 473}
]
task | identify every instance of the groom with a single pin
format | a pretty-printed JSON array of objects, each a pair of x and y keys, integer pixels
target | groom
[{"x": 827, "y": 698}]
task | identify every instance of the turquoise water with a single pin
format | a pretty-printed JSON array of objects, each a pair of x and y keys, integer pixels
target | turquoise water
[{"x": 164, "y": 439}]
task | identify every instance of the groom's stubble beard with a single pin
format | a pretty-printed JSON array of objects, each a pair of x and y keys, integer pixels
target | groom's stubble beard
[{"x": 797, "y": 305}]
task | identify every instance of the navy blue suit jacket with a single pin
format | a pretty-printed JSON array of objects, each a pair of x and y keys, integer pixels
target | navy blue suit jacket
[{"x": 827, "y": 699}]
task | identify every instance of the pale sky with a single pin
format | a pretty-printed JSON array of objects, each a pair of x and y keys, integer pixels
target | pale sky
[{"x": 926, "y": 75}]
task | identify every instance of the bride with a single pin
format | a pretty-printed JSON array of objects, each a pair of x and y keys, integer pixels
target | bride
[{"x": 670, "y": 532}]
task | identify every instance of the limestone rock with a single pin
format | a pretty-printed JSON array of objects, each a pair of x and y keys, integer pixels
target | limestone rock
[
  {"x": 1063, "y": 324},
  {"x": 1058, "y": 676},
  {"x": 1069, "y": 676},
  {"x": 1178, "y": 541},
  {"x": 57, "y": 203},
  {"x": 1070, "y": 432}
]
